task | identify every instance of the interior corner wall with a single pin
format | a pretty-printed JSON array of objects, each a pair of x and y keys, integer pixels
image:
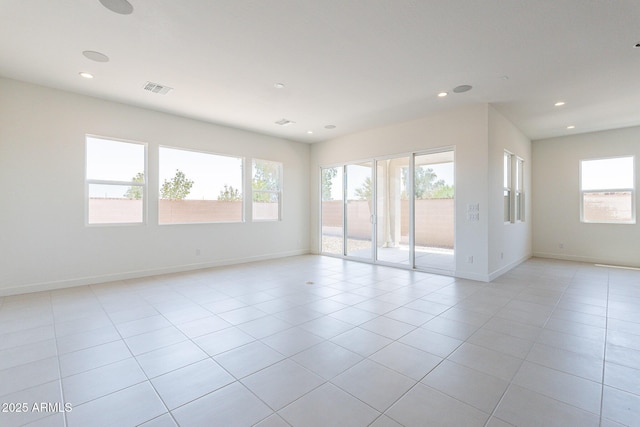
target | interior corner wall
[
  {"x": 44, "y": 243},
  {"x": 558, "y": 232},
  {"x": 509, "y": 243},
  {"x": 466, "y": 129}
]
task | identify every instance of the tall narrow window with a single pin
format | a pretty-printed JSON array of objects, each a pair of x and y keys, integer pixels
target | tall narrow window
[
  {"x": 266, "y": 185},
  {"x": 519, "y": 175},
  {"x": 115, "y": 181},
  {"x": 607, "y": 190},
  {"x": 198, "y": 187},
  {"x": 507, "y": 186}
]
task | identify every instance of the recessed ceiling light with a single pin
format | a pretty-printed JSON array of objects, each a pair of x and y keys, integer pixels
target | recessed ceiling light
[
  {"x": 330, "y": 127},
  {"x": 462, "y": 88},
  {"x": 309, "y": 132},
  {"x": 443, "y": 94},
  {"x": 559, "y": 104},
  {"x": 123, "y": 7},
  {"x": 86, "y": 75},
  {"x": 95, "y": 56},
  {"x": 279, "y": 85},
  {"x": 571, "y": 127}
]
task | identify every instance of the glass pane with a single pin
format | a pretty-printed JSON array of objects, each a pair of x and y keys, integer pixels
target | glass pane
[
  {"x": 434, "y": 191},
  {"x": 265, "y": 206},
  {"x": 266, "y": 175},
  {"x": 114, "y": 160},
  {"x": 199, "y": 187},
  {"x": 507, "y": 170},
  {"x": 332, "y": 211},
  {"x": 266, "y": 183},
  {"x": 507, "y": 206},
  {"x": 520, "y": 175},
  {"x": 519, "y": 207},
  {"x": 198, "y": 211},
  {"x": 112, "y": 204},
  {"x": 393, "y": 210},
  {"x": 608, "y": 207},
  {"x": 607, "y": 174},
  {"x": 359, "y": 210}
]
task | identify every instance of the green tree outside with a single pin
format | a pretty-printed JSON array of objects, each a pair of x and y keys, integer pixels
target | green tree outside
[
  {"x": 327, "y": 181},
  {"x": 266, "y": 178},
  {"x": 135, "y": 192},
  {"x": 178, "y": 188},
  {"x": 230, "y": 194},
  {"x": 427, "y": 185},
  {"x": 364, "y": 191}
]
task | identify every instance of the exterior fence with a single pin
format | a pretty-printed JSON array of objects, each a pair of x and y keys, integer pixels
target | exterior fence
[
  {"x": 434, "y": 220},
  {"x": 102, "y": 210}
]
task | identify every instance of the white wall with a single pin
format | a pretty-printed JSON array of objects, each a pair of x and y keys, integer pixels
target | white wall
[
  {"x": 509, "y": 243},
  {"x": 556, "y": 200},
  {"x": 44, "y": 242},
  {"x": 465, "y": 129}
]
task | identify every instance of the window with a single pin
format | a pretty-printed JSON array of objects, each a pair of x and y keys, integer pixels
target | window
[
  {"x": 267, "y": 190},
  {"x": 115, "y": 181},
  {"x": 607, "y": 190},
  {"x": 196, "y": 187},
  {"x": 507, "y": 186},
  {"x": 519, "y": 176}
]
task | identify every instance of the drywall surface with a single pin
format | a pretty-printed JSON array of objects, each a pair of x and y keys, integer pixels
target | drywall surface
[
  {"x": 44, "y": 241},
  {"x": 510, "y": 243},
  {"x": 558, "y": 232},
  {"x": 465, "y": 130}
]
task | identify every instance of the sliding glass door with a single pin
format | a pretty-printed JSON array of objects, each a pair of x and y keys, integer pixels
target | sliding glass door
[
  {"x": 332, "y": 215},
  {"x": 433, "y": 197},
  {"x": 404, "y": 204},
  {"x": 392, "y": 210},
  {"x": 359, "y": 210}
]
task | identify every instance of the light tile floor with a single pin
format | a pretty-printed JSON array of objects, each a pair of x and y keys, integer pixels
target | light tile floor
[{"x": 550, "y": 343}]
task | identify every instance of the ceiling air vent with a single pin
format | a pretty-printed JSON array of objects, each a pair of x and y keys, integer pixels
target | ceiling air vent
[
  {"x": 156, "y": 88},
  {"x": 284, "y": 122}
]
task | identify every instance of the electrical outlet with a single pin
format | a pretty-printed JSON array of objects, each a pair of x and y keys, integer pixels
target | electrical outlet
[
  {"x": 561, "y": 245},
  {"x": 470, "y": 259}
]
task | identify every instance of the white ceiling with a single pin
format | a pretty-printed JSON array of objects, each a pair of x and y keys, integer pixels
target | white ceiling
[{"x": 355, "y": 64}]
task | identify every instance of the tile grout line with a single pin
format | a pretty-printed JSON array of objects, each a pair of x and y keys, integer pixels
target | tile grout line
[
  {"x": 604, "y": 355},
  {"x": 136, "y": 360},
  {"x": 189, "y": 293},
  {"x": 55, "y": 338},
  {"x": 495, "y": 408}
]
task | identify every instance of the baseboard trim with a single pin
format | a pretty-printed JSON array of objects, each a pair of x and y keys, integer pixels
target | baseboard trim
[
  {"x": 499, "y": 272},
  {"x": 92, "y": 280},
  {"x": 590, "y": 260},
  {"x": 478, "y": 277}
]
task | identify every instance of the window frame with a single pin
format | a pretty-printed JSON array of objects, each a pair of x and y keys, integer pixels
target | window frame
[
  {"x": 631, "y": 190},
  {"x": 278, "y": 192},
  {"x": 91, "y": 181}
]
